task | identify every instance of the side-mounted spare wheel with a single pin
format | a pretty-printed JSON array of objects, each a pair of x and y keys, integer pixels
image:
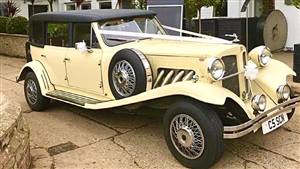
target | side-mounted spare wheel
[
  {"x": 129, "y": 73},
  {"x": 194, "y": 134},
  {"x": 33, "y": 95}
]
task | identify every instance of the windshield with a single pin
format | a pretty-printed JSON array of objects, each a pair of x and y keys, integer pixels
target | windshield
[{"x": 136, "y": 25}]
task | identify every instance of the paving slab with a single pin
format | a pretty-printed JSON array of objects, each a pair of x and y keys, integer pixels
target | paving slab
[
  {"x": 119, "y": 119},
  {"x": 14, "y": 91},
  {"x": 41, "y": 159},
  {"x": 280, "y": 141},
  {"x": 293, "y": 125},
  {"x": 104, "y": 154},
  {"x": 148, "y": 147},
  {"x": 259, "y": 155},
  {"x": 57, "y": 126}
]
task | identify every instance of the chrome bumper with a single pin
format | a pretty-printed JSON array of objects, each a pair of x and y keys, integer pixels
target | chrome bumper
[{"x": 231, "y": 132}]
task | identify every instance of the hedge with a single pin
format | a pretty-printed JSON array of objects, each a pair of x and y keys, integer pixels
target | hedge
[
  {"x": 17, "y": 25},
  {"x": 3, "y": 22}
]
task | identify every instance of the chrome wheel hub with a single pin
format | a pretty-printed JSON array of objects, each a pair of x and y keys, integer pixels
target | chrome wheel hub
[
  {"x": 124, "y": 78},
  {"x": 31, "y": 92},
  {"x": 187, "y": 136}
]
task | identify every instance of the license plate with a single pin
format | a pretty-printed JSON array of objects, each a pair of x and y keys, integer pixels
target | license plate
[{"x": 274, "y": 123}]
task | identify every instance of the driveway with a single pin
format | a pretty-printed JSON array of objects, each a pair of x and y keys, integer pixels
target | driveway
[{"x": 65, "y": 136}]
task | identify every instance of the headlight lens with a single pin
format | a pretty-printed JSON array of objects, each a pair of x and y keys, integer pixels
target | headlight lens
[
  {"x": 264, "y": 56},
  {"x": 259, "y": 102},
  {"x": 283, "y": 92},
  {"x": 216, "y": 68}
]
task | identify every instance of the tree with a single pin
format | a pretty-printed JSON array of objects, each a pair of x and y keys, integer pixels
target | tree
[
  {"x": 194, "y": 6},
  {"x": 78, "y": 3},
  {"x": 296, "y": 3},
  {"x": 140, "y": 4},
  {"x": 51, "y": 4},
  {"x": 268, "y": 6},
  {"x": 11, "y": 8}
]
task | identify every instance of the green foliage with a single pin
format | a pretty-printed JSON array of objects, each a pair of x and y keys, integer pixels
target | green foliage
[
  {"x": 17, "y": 25},
  {"x": 3, "y": 22},
  {"x": 296, "y": 3},
  {"x": 192, "y": 6},
  {"x": 140, "y": 4},
  {"x": 57, "y": 30}
]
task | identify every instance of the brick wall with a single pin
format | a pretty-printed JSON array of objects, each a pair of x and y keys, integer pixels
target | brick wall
[
  {"x": 13, "y": 45},
  {"x": 14, "y": 137}
]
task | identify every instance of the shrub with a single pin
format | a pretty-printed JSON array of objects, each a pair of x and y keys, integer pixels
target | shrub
[
  {"x": 3, "y": 22},
  {"x": 17, "y": 25}
]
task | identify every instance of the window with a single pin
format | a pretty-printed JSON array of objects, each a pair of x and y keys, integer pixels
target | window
[
  {"x": 70, "y": 6},
  {"x": 37, "y": 32},
  {"x": 105, "y": 4},
  {"x": 127, "y": 27},
  {"x": 86, "y": 6},
  {"x": 82, "y": 32},
  {"x": 3, "y": 12},
  {"x": 37, "y": 9},
  {"x": 57, "y": 34}
]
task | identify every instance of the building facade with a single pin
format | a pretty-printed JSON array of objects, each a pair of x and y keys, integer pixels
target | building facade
[
  {"x": 291, "y": 13},
  {"x": 58, "y": 5}
]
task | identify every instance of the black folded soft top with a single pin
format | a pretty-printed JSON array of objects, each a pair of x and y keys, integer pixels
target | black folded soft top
[{"x": 91, "y": 15}]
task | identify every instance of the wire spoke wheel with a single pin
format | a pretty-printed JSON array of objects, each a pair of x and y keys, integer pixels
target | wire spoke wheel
[
  {"x": 124, "y": 78},
  {"x": 187, "y": 136},
  {"x": 31, "y": 91}
]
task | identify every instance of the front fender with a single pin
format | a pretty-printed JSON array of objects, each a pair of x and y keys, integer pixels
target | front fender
[
  {"x": 40, "y": 73},
  {"x": 272, "y": 76},
  {"x": 204, "y": 92}
]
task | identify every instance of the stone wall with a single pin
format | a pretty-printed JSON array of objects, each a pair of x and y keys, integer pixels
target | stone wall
[
  {"x": 13, "y": 45},
  {"x": 14, "y": 137}
]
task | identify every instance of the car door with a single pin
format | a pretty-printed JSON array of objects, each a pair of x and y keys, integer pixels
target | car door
[
  {"x": 83, "y": 67},
  {"x": 53, "y": 56}
]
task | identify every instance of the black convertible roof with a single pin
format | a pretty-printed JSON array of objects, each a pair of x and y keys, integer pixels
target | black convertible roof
[{"x": 91, "y": 15}]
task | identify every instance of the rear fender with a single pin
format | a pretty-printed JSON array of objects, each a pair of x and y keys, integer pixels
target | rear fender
[{"x": 40, "y": 73}]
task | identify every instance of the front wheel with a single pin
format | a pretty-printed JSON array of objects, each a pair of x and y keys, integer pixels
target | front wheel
[{"x": 194, "y": 134}]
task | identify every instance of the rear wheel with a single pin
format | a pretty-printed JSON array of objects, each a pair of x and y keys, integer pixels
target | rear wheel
[
  {"x": 194, "y": 134},
  {"x": 33, "y": 95}
]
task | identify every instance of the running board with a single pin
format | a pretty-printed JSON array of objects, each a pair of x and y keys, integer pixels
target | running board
[{"x": 72, "y": 98}]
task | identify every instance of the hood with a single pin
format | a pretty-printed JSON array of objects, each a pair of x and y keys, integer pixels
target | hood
[{"x": 181, "y": 48}]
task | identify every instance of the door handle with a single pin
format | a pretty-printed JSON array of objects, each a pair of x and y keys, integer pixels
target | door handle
[
  {"x": 44, "y": 56},
  {"x": 67, "y": 59}
]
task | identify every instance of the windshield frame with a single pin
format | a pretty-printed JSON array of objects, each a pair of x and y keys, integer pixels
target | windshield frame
[{"x": 154, "y": 19}]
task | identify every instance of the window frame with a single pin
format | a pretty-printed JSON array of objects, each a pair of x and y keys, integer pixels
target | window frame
[
  {"x": 41, "y": 45},
  {"x": 91, "y": 35},
  {"x": 69, "y": 31},
  {"x": 105, "y": 1}
]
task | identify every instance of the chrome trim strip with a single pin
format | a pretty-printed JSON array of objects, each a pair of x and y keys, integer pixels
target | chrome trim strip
[
  {"x": 231, "y": 132},
  {"x": 147, "y": 67},
  {"x": 232, "y": 75}
]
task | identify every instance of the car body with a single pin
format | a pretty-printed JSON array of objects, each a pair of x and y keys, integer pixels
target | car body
[{"x": 98, "y": 59}]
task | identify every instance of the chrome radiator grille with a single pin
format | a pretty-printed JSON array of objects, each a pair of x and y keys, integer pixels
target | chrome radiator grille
[{"x": 231, "y": 67}]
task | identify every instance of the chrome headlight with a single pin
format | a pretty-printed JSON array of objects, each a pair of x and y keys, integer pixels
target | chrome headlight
[
  {"x": 283, "y": 92},
  {"x": 261, "y": 55},
  {"x": 259, "y": 102},
  {"x": 264, "y": 56},
  {"x": 216, "y": 68}
]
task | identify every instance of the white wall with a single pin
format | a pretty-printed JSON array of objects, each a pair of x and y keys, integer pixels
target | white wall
[{"x": 292, "y": 15}]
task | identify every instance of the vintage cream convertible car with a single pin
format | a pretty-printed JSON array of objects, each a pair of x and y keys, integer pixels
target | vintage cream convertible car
[{"x": 212, "y": 88}]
